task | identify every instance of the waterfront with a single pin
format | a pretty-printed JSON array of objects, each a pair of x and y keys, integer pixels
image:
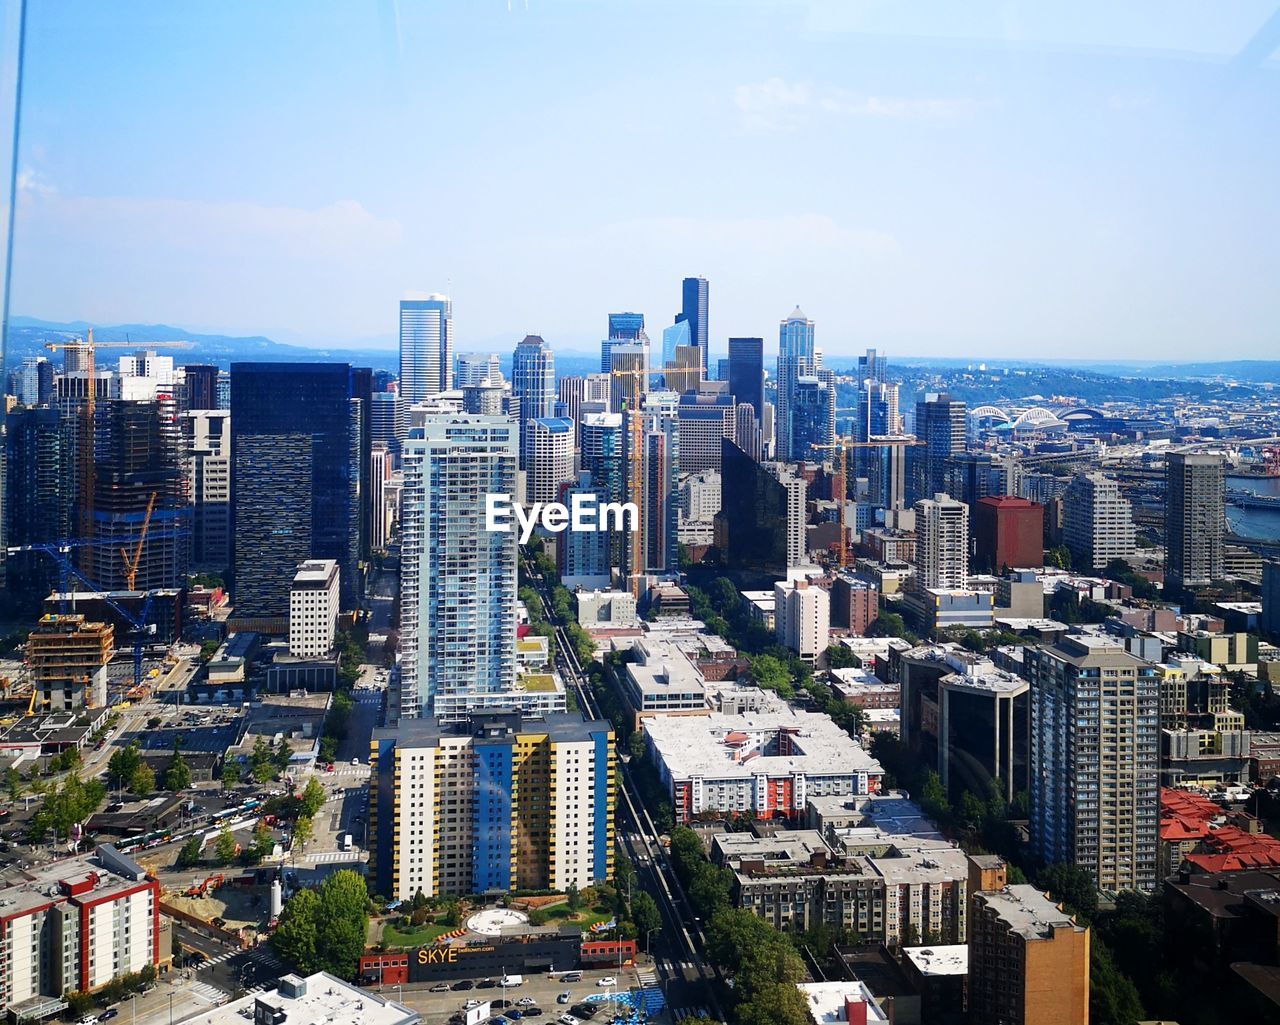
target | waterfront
[{"x": 1263, "y": 524}]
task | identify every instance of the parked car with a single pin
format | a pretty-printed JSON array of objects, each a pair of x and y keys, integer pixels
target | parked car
[
  {"x": 108, "y": 1014},
  {"x": 440, "y": 987},
  {"x": 464, "y": 984}
]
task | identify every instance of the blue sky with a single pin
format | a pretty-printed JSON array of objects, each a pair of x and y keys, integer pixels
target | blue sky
[{"x": 930, "y": 178}]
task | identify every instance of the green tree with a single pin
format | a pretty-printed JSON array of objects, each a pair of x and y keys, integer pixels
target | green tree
[
  {"x": 773, "y": 1004},
  {"x": 644, "y": 912},
  {"x": 635, "y": 745},
  {"x": 261, "y": 765},
  {"x": 709, "y": 890},
  {"x": 342, "y": 924},
  {"x": 123, "y": 764},
  {"x": 303, "y": 831},
  {"x": 13, "y": 784},
  {"x": 65, "y": 806},
  {"x": 1073, "y": 887},
  {"x": 889, "y": 624},
  {"x": 143, "y": 780},
  {"x": 230, "y": 773},
  {"x": 839, "y": 657},
  {"x": 1113, "y": 998},
  {"x": 178, "y": 776},
  {"x": 312, "y": 798},
  {"x": 189, "y": 855},
  {"x": 296, "y": 938},
  {"x": 225, "y": 846},
  {"x": 573, "y": 897},
  {"x": 771, "y": 673}
]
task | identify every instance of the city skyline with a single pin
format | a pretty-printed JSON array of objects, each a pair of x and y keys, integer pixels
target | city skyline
[{"x": 1121, "y": 122}]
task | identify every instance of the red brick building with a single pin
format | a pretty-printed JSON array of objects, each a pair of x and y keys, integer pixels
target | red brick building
[
  {"x": 1007, "y": 533},
  {"x": 855, "y": 605}
]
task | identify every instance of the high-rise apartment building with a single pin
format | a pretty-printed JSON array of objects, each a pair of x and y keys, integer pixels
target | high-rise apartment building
[
  {"x": 382, "y": 516},
  {"x": 660, "y": 506},
  {"x": 68, "y": 657},
  {"x": 746, "y": 373},
  {"x": 795, "y": 359},
  {"x": 491, "y": 803},
  {"x": 388, "y": 421},
  {"x": 813, "y": 416},
  {"x": 201, "y": 386},
  {"x": 942, "y": 542},
  {"x": 746, "y": 431},
  {"x": 548, "y": 458},
  {"x": 208, "y": 455},
  {"x": 940, "y": 425},
  {"x": 313, "y": 609},
  {"x": 802, "y": 617},
  {"x": 585, "y": 557},
  {"x": 1095, "y": 756},
  {"x": 1194, "y": 520},
  {"x": 1097, "y": 521},
  {"x": 695, "y": 296},
  {"x": 1028, "y": 960},
  {"x": 533, "y": 384},
  {"x": 457, "y": 579},
  {"x": 702, "y": 419},
  {"x": 294, "y": 480},
  {"x": 426, "y": 347}
]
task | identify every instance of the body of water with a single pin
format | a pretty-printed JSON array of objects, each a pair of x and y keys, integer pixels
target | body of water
[{"x": 1260, "y": 523}]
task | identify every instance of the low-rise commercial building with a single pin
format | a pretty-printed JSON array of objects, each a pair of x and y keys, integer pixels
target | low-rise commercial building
[
  {"x": 767, "y": 764},
  {"x": 303, "y": 1001}
]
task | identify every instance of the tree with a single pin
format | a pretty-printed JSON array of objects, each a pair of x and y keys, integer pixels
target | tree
[
  {"x": 644, "y": 912},
  {"x": 635, "y": 745},
  {"x": 225, "y": 846},
  {"x": 303, "y": 831},
  {"x": 65, "y": 806},
  {"x": 143, "y": 780},
  {"x": 296, "y": 937},
  {"x": 776, "y": 1004},
  {"x": 230, "y": 773},
  {"x": 178, "y": 776},
  {"x": 189, "y": 856},
  {"x": 710, "y": 889},
  {"x": 123, "y": 764},
  {"x": 312, "y": 798},
  {"x": 263, "y": 841},
  {"x": 771, "y": 673},
  {"x": 889, "y": 624},
  {"x": 13, "y": 784},
  {"x": 342, "y": 923},
  {"x": 1072, "y": 886},
  {"x": 1113, "y": 999},
  {"x": 574, "y": 898},
  {"x": 261, "y": 765},
  {"x": 839, "y": 657}
]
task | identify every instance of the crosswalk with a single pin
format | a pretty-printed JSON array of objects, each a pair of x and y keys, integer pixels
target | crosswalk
[
  {"x": 208, "y": 991},
  {"x": 333, "y": 857}
]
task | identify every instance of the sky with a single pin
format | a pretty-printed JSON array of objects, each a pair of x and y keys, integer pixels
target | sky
[{"x": 980, "y": 179}]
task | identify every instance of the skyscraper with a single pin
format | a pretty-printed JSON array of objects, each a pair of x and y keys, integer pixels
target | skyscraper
[
  {"x": 940, "y": 424},
  {"x": 533, "y": 384},
  {"x": 659, "y": 509},
  {"x": 426, "y": 347},
  {"x": 702, "y": 420},
  {"x": 1194, "y": 520},
  {"x": 813, "y": 415},
  {"x": 629, "y": 365},
  {"x": 942, "y": 542},
  {"x": 584, "y": 557},
  {"x": 548, "y": 458},
  {"x": 759, "y": 529},
  {"x": 294, "y": 480},
  {"x": 201, "y": 386},
  {"x": 628, "y": 327},
  {"x": 1097, "y": 521},
  {"x": 208, "y": 455},
  {"x": 38, "y": 495},
  {"x": 458, "y": 580},
  {"x": 871, "y": 368},
  {"x": 362, "y": 393},
  {"x": 674, "y": 337},
  {"x": 1095, "y": 743},
  {"x": 795, "y": 359},
  {"x": 746, "y": 372},
  {"x": 695, "y": 294},
  {"x": 474, "y": 367}
]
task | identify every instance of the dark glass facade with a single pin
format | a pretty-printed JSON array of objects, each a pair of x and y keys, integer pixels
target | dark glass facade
[
  {"x": 202, "y": 386},
  {"x": 746, "y": 372},
  {"x": 39, "y": 489},
  {"x": 751, "y": 527},
  {"x": 293, "y": 480}
]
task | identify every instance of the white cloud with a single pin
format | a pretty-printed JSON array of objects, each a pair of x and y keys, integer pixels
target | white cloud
[{"x": 778, "y": 105}]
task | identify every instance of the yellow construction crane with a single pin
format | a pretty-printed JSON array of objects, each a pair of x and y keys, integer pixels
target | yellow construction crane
[
  {"x": 86, "y": 468},
  {"x": 842, "y": 444},
  {"x": 131, "y": 560}
]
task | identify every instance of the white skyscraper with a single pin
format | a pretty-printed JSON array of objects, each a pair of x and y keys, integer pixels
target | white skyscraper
[
  {"x": 942, "y": 542},
  {"x": 475, "y": 367},
  {"x": 548, "y": 458},
  {"x": 426, "y": 347},
  {"x": 1097, "y": 521},
  {"x": 458, "y": 580}
]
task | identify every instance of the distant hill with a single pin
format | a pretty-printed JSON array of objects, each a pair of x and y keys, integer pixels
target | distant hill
[
  {"x": 27, "y": 336},
  {"x": 1251, "y": 370}
]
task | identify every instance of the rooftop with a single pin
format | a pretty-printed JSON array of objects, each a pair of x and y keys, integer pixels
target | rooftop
[
  {"x": 315, "y": 573},
  {"x": 319, "y": 999},
  {"x": 948, "y": 959},
  {"x": 726, "y": 746},
  {"x": 828, "y": 1001},
  {"x": 1027, "y": 911}
]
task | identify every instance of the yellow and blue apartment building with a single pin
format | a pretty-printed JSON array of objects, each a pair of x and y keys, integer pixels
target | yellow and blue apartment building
[{"x": 494, "y": 803}]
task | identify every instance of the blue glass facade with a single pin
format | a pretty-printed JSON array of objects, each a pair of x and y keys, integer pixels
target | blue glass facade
[{"x": 491, "y": 822}]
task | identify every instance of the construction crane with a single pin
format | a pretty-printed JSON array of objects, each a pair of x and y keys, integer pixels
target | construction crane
[
  {"x": 842, "y": 444},
  {"x": 86, "y": 468},
  {"x": 131, "y": 560},
  {"x": 634, "y": 426},
  {"x": 60, "y": 553}
]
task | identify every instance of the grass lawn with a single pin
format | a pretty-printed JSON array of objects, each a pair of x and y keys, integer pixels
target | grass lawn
[
  {"x": 414, "y": 937},
  {"x": 588, "y": 916}
]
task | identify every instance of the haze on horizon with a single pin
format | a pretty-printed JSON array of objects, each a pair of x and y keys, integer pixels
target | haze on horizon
[{"x": 1001, "y": 180}]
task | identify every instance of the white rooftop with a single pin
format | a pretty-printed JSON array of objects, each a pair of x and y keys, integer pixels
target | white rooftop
[
  {"x": 945, "y": 959},
  {"x": 737, "y": 746},
  {"x": 323, "y": 999},
  {"x": 826, "y": 1001},
  {"x": 1027, "y": 911}
]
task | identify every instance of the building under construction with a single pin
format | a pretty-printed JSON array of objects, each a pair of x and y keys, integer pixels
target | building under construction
[{"x": 68, "y": 657}]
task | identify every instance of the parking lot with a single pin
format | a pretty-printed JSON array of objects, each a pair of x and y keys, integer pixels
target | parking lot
[{"x": 450, "y": 1004}]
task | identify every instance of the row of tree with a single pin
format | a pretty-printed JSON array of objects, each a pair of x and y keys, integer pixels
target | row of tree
[{"x": 326, "y": 928}]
